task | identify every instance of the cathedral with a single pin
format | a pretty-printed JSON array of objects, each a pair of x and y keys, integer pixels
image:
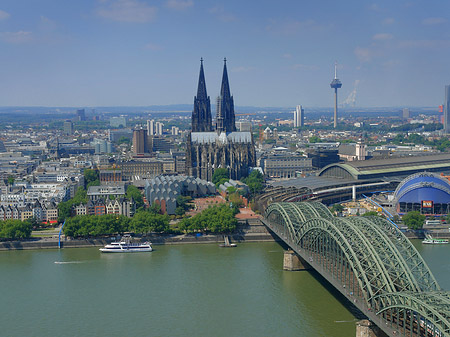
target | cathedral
[{"x": 209, "y": 148}]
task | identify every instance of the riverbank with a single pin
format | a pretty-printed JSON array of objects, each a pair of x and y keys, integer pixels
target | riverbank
[
  {"x": 251, "y": 230},
  {"x": 248, "y": 231}
]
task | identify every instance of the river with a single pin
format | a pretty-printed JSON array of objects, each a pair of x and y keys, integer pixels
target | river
[{"x": 176, "y": 290}]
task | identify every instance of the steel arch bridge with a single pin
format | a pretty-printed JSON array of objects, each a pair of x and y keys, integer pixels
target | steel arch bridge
[{"x": 370, "y": 262}]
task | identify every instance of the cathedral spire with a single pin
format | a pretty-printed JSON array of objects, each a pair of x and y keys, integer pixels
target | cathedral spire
[
  {"x": 201, "y": 91},
  {"x": 201, "y": 115},
  {"x": 225, "y": 120},
  {"x": 225, "y": 89}
]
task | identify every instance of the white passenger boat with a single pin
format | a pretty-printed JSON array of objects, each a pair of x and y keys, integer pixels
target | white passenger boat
[
  {"x": 430, "y": 240},
  {"x": 125, "y": 245}
]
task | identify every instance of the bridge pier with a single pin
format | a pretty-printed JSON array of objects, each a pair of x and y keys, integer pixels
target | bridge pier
[
  {"x": 293, "y": 262},
  {"x": 366, "y": 328}
]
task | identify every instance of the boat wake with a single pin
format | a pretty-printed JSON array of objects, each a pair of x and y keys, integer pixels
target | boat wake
[{"x": 69, "y": 262}]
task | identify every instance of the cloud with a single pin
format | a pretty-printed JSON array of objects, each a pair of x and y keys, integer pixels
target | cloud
[
  {"x": 363, "y": 54},
  {"x": 179, "y": 4},
  {"x": 126, "y": 11},
  {"x": 154, "y": 47},
  {"x": 388, "y": 21},
  {"x": 16, "y": 37},
  {"x": 4, "y": 15},
  {"x": 382, "y": 37},
  {"x": 222, "y": 14},
  {"x": 287, "y": 56},
  {"x": 433, "y": 21}
]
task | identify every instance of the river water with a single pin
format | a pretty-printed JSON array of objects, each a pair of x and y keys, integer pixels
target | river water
[{"x": 178, "y": 290}]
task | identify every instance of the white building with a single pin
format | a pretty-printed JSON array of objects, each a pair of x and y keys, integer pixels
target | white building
[{"x": 299, "y": 117}]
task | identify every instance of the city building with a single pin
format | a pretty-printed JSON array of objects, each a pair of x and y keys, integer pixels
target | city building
[
  {"x": 244, "y": 126},
  {"x": 405, "y": 113},
  {"x": 141, "y": 168},
  {"x": 150, "y": 127},
  {"x": 68, "y": 127},
  {"x": 299, "y": 117},
  {"x": 140, "y": 141},
  {"x": 447, "y": 109},
  {"x": 285, "y": 165},
  {"x": 224, "y": 148},
  {"x": 164, "y": 190},
  {"x": 105, "y": 191},
  {"x": 81, "y": 115},
  {"x": 118, "y": 122},
  {"x": 425, "y": 192},
  {"x": 113, "y": 175},
  {"x": 159, "y": 128}
]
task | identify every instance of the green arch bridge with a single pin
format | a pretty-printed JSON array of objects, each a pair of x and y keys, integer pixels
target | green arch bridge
[{"x": 370, "y": 262}]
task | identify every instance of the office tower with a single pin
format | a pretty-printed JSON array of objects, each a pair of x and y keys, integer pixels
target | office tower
[
  {"x": 447, "y": 109},
  {"x": 140, "y": 141},
  {"x": 159, "y": 128},
  {"x": 201, "y": 115},
  {"x": 299, "y": 117},
  {"x": 81, "y": 115},
  {"x": 225, "y": 118},
  {"x": 150, "y": 127},
  {"x": 175, "y": 130},
  {"x": 244, "y": 125},
  {"x": 68, "y": 127},
  {"x": 405, "y": 113},
  {"x": 335, "y": 84}
]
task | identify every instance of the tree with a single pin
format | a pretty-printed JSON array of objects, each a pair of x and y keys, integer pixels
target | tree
[
  {"x": 414, "y": 220},
  {"x": 91, "y": 176},
  {"x": 219, "y": 174},
  {"x": 315, "y": 139},
  {"x": 371, "y": 213},
  {"x": 255, "y": 181},
  {"x": 10, "y": 180},
  {"x": 15, "y": 229},
  {"x": 133, "y": 192},
  {"x": 337, "y": 208}
]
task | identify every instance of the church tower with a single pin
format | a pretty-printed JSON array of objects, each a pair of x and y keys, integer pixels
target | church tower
[
  {"x": 225, "y": 118},
  {"x": 201, "y": 115}
]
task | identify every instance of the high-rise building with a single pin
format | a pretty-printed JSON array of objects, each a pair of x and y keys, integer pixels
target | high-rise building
[
  {"x": 299, "y": 117},
  {"x": 159, "y": 128},
  {"x": 405, "y": 113},
  {"x": 68, "y": 127},
  {"x": 140, "y": 141},
  {"x": 447, "y": 109},
  {"x": 81, "y": 115},
  {"x": 175, "y": 130},
  {"x": 150, "y": 127}
]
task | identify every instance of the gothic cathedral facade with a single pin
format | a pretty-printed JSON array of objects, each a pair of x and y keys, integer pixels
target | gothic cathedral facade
[{"x": 209, "y": 148}]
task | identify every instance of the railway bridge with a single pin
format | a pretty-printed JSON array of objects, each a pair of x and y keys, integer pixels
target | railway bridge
[{"x": 370, "y": 262}]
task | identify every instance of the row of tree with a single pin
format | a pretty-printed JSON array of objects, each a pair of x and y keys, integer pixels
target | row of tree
[
  {"x": 143, "y": 222},
  {"x": 216, "y": 219},
  {"x": 15, "y": 229}
]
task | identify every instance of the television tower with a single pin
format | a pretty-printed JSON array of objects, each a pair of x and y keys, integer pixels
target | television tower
[{"x": 335, "y": 84}]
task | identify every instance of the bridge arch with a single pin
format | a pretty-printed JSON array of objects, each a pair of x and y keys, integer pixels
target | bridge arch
[{"x": 392, "y": 278}]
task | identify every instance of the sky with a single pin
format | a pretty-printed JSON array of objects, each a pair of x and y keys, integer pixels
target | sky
[{"x": 89, "y": 53}]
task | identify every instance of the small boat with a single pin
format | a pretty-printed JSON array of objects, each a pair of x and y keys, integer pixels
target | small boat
[
  {"x": 125, "y": 245},
  {"x": 430, "y": 240}
]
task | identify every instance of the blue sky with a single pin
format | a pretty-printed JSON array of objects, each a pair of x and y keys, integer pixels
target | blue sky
[{"x": 280, "y": 53}]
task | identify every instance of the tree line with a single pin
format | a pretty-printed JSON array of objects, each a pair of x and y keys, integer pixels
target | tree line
[{"x": 15, "y": 229}]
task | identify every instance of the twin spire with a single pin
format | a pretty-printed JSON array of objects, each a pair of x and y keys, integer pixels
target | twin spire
[{"x": 201, "y": 115}]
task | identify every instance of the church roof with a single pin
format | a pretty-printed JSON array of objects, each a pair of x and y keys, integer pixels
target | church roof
[{"x": 212, "y": 137}]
